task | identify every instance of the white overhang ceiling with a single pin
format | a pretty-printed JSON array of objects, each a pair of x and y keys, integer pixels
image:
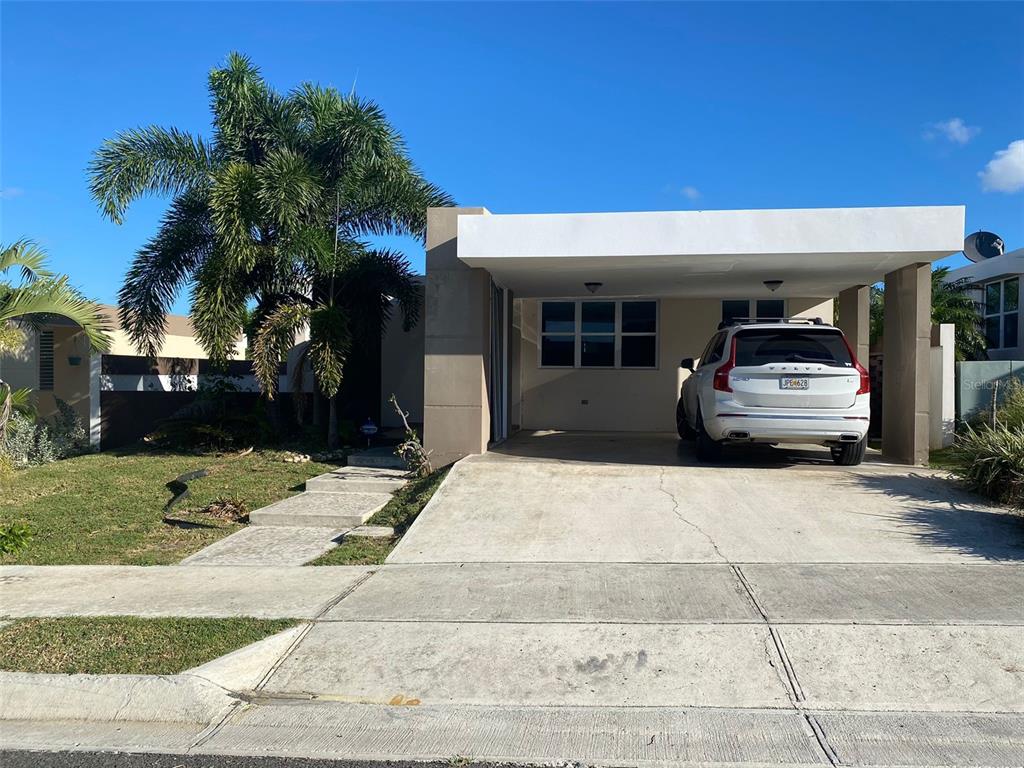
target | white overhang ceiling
[{"x": 726, "y": 254}]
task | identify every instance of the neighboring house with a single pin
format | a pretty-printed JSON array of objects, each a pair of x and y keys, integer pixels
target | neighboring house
[
  {"x": 998, "y": 281},
  {"x": 120, "y": 395},
  {"x": 55, "y": 363},
  {"x": 578, "y": 321}
]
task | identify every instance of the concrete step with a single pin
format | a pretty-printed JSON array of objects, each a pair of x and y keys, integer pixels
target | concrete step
[
  {"x": 358, "y": 480},
  {"x": 322, "y": 510},
  {"x": 382, "y": 457},
  {"x": 268, "y": 546}
]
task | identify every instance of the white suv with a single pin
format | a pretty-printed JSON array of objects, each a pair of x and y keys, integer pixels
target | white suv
[{"x": 794, "y": 380}]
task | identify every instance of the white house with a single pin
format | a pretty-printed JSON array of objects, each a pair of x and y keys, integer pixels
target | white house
[
  {"x": 998, "y": 282},
  {"x": 578, "y": 321}
]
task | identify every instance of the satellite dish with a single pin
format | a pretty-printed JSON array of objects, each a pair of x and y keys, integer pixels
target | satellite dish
[{"x": 983, "y": 245}]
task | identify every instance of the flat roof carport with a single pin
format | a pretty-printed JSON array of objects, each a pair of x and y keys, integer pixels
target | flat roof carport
[{"x": 831, "y": 252}]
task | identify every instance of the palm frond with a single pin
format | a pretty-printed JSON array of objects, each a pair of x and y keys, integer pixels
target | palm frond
[
  {"x": 372, "y": 281},
  {"x": 239, "y": 101},
  {"x": 161, "y": 268},
  {"x": 235, "y": 213},
  {"x": 28, "y": 257},
  {"x": 287, "y": 187},
  {"x": 153, "y": 160},
  {"x": 274, "y": 337},
  {"x": 953, "y": 302},
  {"x": 54, "y": 296},
  {"x": 390, "y": 199},
  {"x": 219, "y": 298},
  {"x": 330, "y": 339}
]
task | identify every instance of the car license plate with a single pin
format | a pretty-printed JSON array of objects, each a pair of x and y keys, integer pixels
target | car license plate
[{"x": 788, "y": 382}]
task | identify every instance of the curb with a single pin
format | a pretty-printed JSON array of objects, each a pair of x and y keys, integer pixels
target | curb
[{"x": 112, "y": 698}]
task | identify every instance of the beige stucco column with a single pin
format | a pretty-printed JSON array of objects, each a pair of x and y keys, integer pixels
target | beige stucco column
[
  {"x": 457, "y": 317},
  {"x": 855, "y": 320},
  {"x": 906, "y": 364}
]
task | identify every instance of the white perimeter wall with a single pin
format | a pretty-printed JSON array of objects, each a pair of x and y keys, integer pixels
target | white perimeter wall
[{"x": 622, "y": 400}]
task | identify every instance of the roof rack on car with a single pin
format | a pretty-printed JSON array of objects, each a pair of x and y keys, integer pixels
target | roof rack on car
[{"x": 786, "y": 320}]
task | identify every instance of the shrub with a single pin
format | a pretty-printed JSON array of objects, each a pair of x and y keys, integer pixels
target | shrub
[
  {"x": 215, "y": 420},
  {"x": 14, "y": 538},
  {"x": 29, "y": 442},
  {"x": 1009, "y": 409},
  {"x": 991, "y": 462}
]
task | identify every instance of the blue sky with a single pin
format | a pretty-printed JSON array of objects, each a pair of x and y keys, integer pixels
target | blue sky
[{"x": 544, "y": 108}]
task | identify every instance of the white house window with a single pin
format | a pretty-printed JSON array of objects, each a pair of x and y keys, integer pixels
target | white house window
[
  {"x": 1002, "y": 308},
  {"x": 757, "y": 308},
  {"x": 599, "y": 334}
]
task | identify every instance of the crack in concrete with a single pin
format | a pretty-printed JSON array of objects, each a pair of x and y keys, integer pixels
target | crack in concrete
[{"x": 682, "y": 518}]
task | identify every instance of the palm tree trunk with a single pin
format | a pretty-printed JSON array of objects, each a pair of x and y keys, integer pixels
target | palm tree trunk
[{"x": 332, "y": 425}]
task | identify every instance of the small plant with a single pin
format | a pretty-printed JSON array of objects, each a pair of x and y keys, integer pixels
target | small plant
[
  {"x": 991, "y": 462},
  {"x": 410, "y": 450},
  {"x": 1007, "y": 409},
  {"x": 28, "y": 441},
  {"x": 14, "y": 538}
]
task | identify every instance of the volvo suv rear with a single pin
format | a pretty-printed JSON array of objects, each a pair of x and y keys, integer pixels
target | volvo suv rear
[{"x": 794, "y": 380}]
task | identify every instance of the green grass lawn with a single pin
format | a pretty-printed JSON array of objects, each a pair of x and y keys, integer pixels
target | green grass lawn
[
  {"x": 125, "y": 645},
  {"x": 107, "y": 508},
  {"x": 399, "y": 513}
]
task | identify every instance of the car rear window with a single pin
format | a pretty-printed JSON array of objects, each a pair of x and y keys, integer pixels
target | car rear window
[{"x": 783, "y": 345}]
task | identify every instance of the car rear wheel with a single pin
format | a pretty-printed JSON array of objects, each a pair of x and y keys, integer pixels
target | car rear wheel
[
  {"x": 708, "y": 450},
  {"x": 682, "y": 425},
  {"x": 850, "y": 454}
]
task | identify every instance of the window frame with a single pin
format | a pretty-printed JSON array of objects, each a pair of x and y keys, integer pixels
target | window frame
[
  {"x": 752, "y": 307},
  {"x": 1002, "y": 313},
  {"x": 617, "y": 334}
]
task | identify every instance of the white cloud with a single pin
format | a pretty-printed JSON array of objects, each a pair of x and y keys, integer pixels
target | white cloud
[
  {"x": 1005, "y": 171},
  {"x": 9, "y": 193},
  {"x": 690, "y": 193},
  {"x": 954, "y": 130}
]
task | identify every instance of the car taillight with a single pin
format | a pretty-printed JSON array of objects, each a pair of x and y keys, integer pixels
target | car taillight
[
  {"x": 865, "y": 377},
  {"x": 721, "y": 379}
]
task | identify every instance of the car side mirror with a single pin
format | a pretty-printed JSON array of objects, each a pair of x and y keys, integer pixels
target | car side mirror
[{"x": 687, "y": 363}]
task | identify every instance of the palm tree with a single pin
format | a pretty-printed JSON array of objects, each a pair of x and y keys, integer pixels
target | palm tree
[
  {"x": 269, "y": 219},
  {"x": 952, "y": 302},
  {"x": 39, "y": 294}
]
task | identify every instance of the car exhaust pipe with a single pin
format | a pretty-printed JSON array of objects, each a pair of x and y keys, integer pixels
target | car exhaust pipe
[
  {"x": 849, "y": 439},
  {"x": 738, "y": 434}
]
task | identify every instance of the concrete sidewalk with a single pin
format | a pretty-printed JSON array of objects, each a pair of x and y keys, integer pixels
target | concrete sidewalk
[{"x": 265, "y": 592}]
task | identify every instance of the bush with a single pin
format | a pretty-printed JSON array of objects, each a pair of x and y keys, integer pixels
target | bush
[
  {"x": 215, "y": 420},
  {"x": 991, "y": 462},
  {"x": 29, "y": 442},
  {"x": 1009, "y": 409}
]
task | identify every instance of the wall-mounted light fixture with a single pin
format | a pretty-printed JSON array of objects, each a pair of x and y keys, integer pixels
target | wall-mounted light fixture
[
  {"x": 592, "y": 287},
  {"x": 772, "y": 285}
]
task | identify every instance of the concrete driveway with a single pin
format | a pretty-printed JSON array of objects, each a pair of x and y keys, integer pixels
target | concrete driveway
[
  {"x": 602, "y": 599},
  {"x": 773, "y": 609}
]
